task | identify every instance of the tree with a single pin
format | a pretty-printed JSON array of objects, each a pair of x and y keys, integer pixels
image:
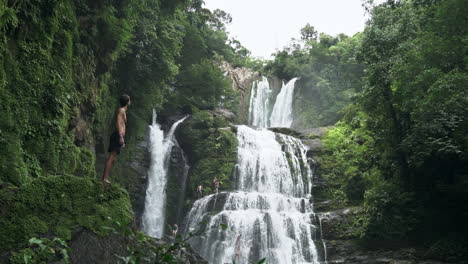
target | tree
[{"x": 308, "y": 33}]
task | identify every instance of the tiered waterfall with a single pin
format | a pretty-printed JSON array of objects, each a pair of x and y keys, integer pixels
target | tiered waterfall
[{"x": 269, "y": 215}]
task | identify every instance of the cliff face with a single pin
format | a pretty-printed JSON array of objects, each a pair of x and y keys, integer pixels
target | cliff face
[
  {"x": 64, "y": 65},
  {"x": 242, "y": 80}
]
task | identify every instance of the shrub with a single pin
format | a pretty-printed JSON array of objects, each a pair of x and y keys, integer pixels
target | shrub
[{"x": 59, "y": 205}]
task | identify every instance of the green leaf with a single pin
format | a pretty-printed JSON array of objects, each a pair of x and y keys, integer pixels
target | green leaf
[
  {"x": 35, "y": 241},
  {"x": 27, "y": 258}
]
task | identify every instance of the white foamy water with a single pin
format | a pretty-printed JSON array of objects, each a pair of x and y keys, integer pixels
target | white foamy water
[
  {"x": 155, "y": 203},
  {"x": 259, "y": 107},
  {"x": 269, "y": 215},
  {"x": 281, "y": 116}
]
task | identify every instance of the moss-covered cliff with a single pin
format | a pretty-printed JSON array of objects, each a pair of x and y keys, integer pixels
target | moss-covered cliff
[
  {"x": 63, "y": 64},
  {"x": 210, "y": 143}
]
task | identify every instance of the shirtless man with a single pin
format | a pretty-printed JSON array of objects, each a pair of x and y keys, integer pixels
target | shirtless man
[
  {"x": 175, "y": 228},
  {"x": 117, "y": 141},
  {"x": 200, "y": 191},
  {"x": 216, "y": 183}
]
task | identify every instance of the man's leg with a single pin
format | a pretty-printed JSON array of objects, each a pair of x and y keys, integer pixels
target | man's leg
[{"x": 109, "y": 162}]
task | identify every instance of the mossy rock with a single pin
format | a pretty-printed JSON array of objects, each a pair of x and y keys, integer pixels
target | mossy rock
[
  {"x": 212, "y": 150},
  {"x": 58, "y": 205}
]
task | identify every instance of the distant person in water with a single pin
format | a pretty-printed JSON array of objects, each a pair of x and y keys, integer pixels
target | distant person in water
[
  {"x": 216, "y": 183},
  {"x": 175, "y": 228},
  {"x": 200, "y": 191},
  {"x": 117, "y": 139}
]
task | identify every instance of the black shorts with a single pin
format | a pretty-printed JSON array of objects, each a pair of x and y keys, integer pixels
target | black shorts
[{"x": 114, "y": 143}]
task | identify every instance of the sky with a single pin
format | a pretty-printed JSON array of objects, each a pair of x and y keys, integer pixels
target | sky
[{"x": 263, "y": 26}]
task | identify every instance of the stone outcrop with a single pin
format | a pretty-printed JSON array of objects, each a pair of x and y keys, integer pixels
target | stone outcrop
[
  {"x": 287, "y": 131},
  {"x": 225, "y": 113},
  {"x": 87, "y": 247},
  {"x": 242, "y": 79}
]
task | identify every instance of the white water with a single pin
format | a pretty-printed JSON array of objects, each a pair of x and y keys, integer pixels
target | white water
[
  {"x": 155, "y": 203},
  {"x": 259, "y": 107},
  {"x": 269, "y": 213},
  {"x": 281, "y": 116}
]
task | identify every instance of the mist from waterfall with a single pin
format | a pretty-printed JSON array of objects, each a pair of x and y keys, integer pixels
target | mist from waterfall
[
  {"x": 269, "y": 215},
  {"x": 261, "y": 112},
  {"x": 281, "y": 116},
  {"x": 160, "y": 148}
]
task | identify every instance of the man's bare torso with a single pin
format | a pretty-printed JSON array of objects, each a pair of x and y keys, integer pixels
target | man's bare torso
[{"x": 121, "y": 120}]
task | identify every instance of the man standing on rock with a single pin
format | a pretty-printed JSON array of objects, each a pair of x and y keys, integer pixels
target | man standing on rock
[
  {"x": 117, "y": 141},
  {"x": 200, "y": 191}
]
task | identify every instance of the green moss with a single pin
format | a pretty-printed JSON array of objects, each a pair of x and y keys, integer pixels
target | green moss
[
  {"x": 85, "y": 163},
  {"x": 202, "y": 119},
  {"x": 212, "y": 151},
  {"x": 59, "y": 204},
  {"x": 220, "y": 121},
  {"x": 12, "y": 166}
]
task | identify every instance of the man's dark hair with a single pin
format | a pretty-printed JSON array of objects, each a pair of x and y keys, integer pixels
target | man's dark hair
[{"x": 124, "y": 99}]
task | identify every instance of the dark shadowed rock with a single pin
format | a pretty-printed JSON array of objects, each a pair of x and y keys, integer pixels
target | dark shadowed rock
[
  {"x": 314, "y": 145},
  {"x": 315, "y": 132},
  {"x": 286, "y": 131},
  {"x": 350, "y": 252},
  {"x": 87, "y": 247},
  {"x": 140, "y": 165},
  {"x": 334, "y": 223}
]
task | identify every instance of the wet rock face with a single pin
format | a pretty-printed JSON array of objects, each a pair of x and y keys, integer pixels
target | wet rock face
[
  {"x": 140, "y": 166},
  {"x": 176, "y": 186},
  {"x": 315, "y": 145},
  {"x": 335, "y": 223}
]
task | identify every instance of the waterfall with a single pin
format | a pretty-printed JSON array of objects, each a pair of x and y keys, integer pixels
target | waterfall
[
  {"x": 269, "y": 215},
  {"x": 259, "y": 107},
  {"x": 281, "y": 116},
  {"x": 261, "y": 114},
  {"x": 155, "y": 203}
]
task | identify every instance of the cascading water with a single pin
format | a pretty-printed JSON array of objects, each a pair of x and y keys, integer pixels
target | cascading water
[
  {"x": 281, "y": 116},
  {"x": 155, "y": 203},
  {"x": 269, "y": 215},
  {"x": 259, "y": 107}
]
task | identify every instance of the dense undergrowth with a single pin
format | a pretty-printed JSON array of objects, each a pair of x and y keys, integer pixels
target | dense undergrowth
[
  {"x": 400, "y": 150},
  {"x": 58, "y": 205},
  {"x": 63, "y": 64}
]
